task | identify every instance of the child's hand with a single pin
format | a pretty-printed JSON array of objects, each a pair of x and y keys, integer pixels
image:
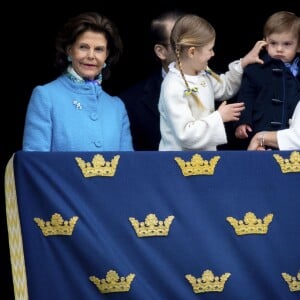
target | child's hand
[
  {"x": 231, "y": 112},
  {"x": 253, "y": 55},
  {"x": 241, "y": 132}
]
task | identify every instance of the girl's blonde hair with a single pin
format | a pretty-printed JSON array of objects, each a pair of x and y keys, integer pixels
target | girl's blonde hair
[{"x": 191, "y": 31}]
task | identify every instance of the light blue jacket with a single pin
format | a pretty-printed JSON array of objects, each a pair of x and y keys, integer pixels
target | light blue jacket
[{"x": 65, "y": 115}]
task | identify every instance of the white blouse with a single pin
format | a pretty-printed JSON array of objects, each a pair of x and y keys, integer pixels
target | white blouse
[{"x": 185, "y": 125}]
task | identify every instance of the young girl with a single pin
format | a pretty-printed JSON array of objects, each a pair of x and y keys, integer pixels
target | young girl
[{"x": 188, "y": 120}]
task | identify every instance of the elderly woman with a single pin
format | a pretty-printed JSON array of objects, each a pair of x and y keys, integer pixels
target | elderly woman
[{"x": 73, "y": 112}]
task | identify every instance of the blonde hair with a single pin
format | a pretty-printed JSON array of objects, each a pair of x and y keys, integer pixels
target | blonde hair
[
  {"x": 191, "y": 31},
  {"x": 283, "y": 21}
]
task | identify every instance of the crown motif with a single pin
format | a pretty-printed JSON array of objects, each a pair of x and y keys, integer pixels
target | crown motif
[
  {"x": 113, "y": 283},
  {"x": 208, "y": 282},
  {"x": 151, "y": 226},
  {"x": 57, "y": 225},
  {"x": 292, "y": 281},
  {"x": 291, "y": 165},
  {"x": 250, "y": 224},
  {"x": 197, "y": 165},
  {"x": 98, "y": 166}
]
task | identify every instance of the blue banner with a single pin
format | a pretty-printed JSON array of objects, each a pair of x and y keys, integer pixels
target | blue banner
[{"x": 187, "y": 246}]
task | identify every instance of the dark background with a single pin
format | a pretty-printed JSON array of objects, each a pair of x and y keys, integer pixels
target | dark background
[{"x": 27, "y": 40}]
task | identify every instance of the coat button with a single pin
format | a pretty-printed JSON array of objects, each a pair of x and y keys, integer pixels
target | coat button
[
  {"x": 94, "y": 116},
  {"x": 98, "y": 144}
]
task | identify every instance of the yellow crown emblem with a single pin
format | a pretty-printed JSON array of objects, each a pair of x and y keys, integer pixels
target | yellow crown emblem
[
  {"x": 291, "y": 165},
  {"x": 152, "y": 226},
  {"x": 113, "y": 283},
  {"x": 197, "y": 165},
  {"x": 98, "y": 166},
  {"x": 57, "y": 225},
  {"x": 208, "y": 282},
  {"x": 250, "y": 224},
  {"x": 292, "y": 281}
]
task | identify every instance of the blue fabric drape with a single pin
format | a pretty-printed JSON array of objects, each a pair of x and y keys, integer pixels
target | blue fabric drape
[{"x": 200, "y": 238}]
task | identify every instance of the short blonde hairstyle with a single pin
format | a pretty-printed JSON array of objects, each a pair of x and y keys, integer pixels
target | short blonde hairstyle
[{"x": 283, "y": 21}]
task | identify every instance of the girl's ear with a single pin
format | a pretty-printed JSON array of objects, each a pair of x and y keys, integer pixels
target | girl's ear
[{"x": 191, "y": 51}]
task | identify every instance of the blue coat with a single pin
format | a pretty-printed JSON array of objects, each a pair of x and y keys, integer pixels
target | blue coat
[
  {"x": 271, "y": 93},
  {"x": 64, "y": 115}
]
